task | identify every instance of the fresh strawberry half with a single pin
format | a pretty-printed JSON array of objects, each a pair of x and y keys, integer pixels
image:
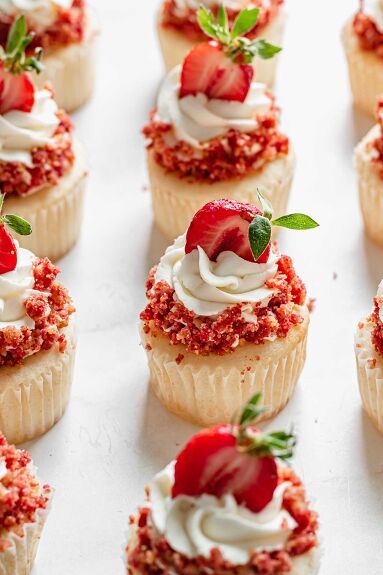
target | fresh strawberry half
[
  {"x": 233, "y": 459},
  {"x": 17, "y": 92},
  {"x": 223, "y": 225},
  {"x": 8, "y": 251},
  {"x": 208, "y": 70}
]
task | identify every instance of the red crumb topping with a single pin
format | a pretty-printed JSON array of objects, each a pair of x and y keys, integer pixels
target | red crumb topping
[
  {"x": 50, "y": 310},
  {"x": 377, "y": 332},
  {"x": 68, "y": 28},
  {"x": 369, "y": 35},
  {"x": 50, "y": 163},
  {"x": 185, "y": 21},
  {"x": 230, "y": 156},
  {"x": 152, "y": 555},
  {"x": 21, "y": 496},
  {"x": 222, "y": 334},
  {"x": 376, "y": 146}
]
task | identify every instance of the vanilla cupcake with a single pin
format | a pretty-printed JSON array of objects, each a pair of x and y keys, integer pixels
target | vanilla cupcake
[
  {"x": 66, "y": 31},
  {"x": 369, "y": 361},
  {"x": 226, "y": 316},
  {"x": 24, "y": 505},
  {"x": 179, "y": 30},
  {"x": 42, "y": 167},
  {"x": 228, "y": 504},
  {"x": 363, "y": 43},
  {"x": 369, "y": 166},
  {"x": 37, "y": 339},
  {"x": 215, "y": 133}
]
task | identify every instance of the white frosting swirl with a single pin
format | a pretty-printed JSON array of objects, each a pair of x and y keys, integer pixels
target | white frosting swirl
[
  {"x": 20, "y": 132},
  {"x": 374, "y": 9},
  {"x": 184, "y": 5},
  {"x": 194, "y": 526},
  {"x": 196, "y": 119},
  {"x": 379, "y": 296},
  {"x": 207, "y": 288},
  {"x": 40, "y": 13},
  {"x": 15, "y": 287}
]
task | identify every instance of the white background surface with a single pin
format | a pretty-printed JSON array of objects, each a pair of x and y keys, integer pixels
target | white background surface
[{"x": 115, "y": 435}]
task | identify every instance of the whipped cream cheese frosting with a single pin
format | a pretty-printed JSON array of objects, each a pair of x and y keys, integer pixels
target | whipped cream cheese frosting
[
  {"x": 379, "y": 296},
  {"x": 374, "y": 9},
  {"x": 20, "y": 132},
  {"x": 207, "y": 288},
  {"x": 194, "y": 526},
  {"x": 40, "y": 13},
  {"x": 196, "y": 119},
  {"x": 15, "y": 287},
  {"x": 184, "y": 5}
]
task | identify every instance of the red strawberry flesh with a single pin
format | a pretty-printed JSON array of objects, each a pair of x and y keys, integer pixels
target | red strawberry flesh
[
  {"x": 208, "y": 70},
  {"x": 17, "y": 92},
  {"x": 212, "y": 464},
  {"x": 8, "y": 251},
  {"x": 223, "y": 225}
]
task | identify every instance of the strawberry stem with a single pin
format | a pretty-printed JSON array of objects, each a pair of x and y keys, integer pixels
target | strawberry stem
[
  {"x": 14, "y": 58},
  {"x": 15, "y": 223}
]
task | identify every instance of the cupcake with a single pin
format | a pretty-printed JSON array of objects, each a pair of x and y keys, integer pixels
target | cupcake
[
  {"x": 369, "y": 166},
  {"x": 37, "y": 339},
  {"x": 67, "y": 33},
  {"x": 42, "y": 167},
  {"x": 369, "y": 361},
  {"x": 363, "y": 43},
  {"x": 215, "y": 132},
  {"x": 179, "y": 30},
  {"x": 24, "y": 505},
  {"x": 226, "y": 315},
  {"x": 228, "y": 504}
]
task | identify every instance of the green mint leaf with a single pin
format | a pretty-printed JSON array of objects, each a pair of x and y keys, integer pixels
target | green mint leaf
[
  {"x": 259, "y": 235},
  {"x": 252, "y": 410},
  {"x": 223, "y": 20},
  {"x": 295, "y": 222},
  {"x": 264, "y": 50},
  {"x": 206, "y": 21},
  {"x": 267, "y": 208},
  {"x": 18, "y": 225},
  {"x": 245, "y": 21},
  {"x": 16, "y": 34}
]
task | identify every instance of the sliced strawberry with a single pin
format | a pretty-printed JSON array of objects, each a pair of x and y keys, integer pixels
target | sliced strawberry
[
  {"x": 8, "y": 251},
  {"x": 17, "y": 92},
  {"x": 212, "y": 464},
  {"x": 223, "y": 225},
  {"x": 208, "y": 70}
]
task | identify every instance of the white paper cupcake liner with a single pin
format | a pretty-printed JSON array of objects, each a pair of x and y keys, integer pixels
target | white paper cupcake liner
[
  {"x": 370, "y": 374},
  {"x": 370, "y": 188},
  {"x": 71, "y": 70},
  {"x": 175, "y": 201},
  {"x": 365, "y": 71},
  {"x": 18, "y": 558},
  {"x": 208, "y": 390},
  {"x": 55, "y": 212},
  {"x": 34, "y": 395}
]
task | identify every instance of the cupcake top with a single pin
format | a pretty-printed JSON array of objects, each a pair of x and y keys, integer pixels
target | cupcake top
[
  {"x": 181, "y": 15},
  {"x": 224, "y": 283},
  {"x": 368, "y": 25},
  {"x": 55, "y": 23},
  {"x": 377, "y": 320},
  {"x": 22, "y": 498},
  {"x": 373, "y": 143},
  {"x": 36, "y": 147},
  {"x": 213, "y": 122},
  {"x": 34, "y": 307},
  {"x": 227, "y": 503}
]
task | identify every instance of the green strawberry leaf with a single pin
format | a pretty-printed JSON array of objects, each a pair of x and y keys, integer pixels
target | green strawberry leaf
[
  {"x": 206, "y": 21},
  {"x": 259, "y": 235},
  {"x": 267, "y": 208},
  {"x": 245, "y": 21},
  {"x": 295, "y": 222},
  {"x": 252, "y": 410},
  {"x": 16, "y": 34},
  {"x": 223, "y": 20},
  {"x": 17, "y": 224},
  {"x": 264, "y": 50}
]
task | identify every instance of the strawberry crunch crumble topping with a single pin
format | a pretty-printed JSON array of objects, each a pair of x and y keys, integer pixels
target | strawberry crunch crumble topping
[
  {"x": 230, "y": 156},
  {"x": 369, "y": 36},
  {"x": 21, "y": 496},
  {"x": 50, "y": 309},
  {"x": 68, "y": 28},
  {"x": 152, "y": 555},
  {"x": 185, "y": 21},
  {"x": 50, "y": 163},
  {"x": 377, "y": 332},
  {"x": 222, "y": 334},
  {"x": 376, "y": 145}
]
